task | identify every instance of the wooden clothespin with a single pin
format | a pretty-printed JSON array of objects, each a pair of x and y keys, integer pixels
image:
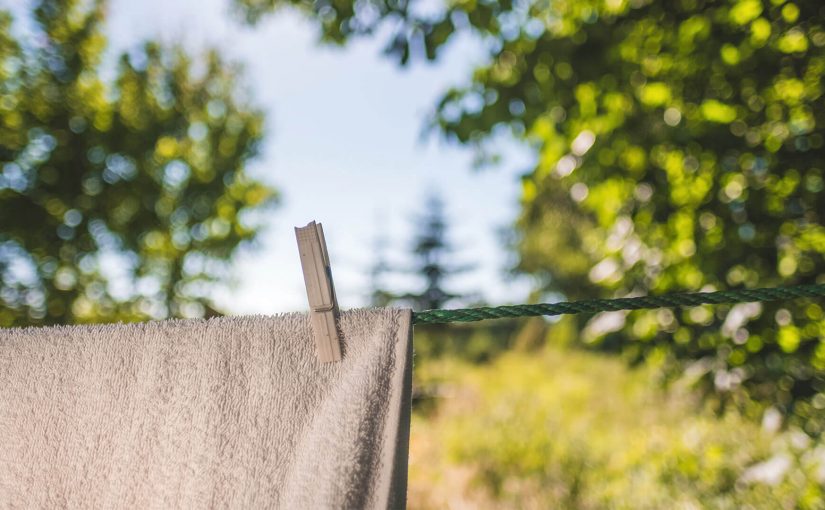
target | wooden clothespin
[{"x": 321, "y": 293}]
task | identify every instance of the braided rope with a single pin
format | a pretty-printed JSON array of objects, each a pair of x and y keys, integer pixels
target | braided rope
[{"x": 606, "y": 305}]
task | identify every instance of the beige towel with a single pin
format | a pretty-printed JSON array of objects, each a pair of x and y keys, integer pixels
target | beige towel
[{"x": 219, "y": 413}]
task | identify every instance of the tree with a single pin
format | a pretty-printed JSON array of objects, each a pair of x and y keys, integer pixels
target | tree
[
  {"x": 678, "y": 146},
  {"x": 431, "y": 250},
  {"x": 121, "y": 199}
]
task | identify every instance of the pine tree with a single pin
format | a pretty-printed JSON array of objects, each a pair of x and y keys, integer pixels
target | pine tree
[{"x": 431, "y": 250}]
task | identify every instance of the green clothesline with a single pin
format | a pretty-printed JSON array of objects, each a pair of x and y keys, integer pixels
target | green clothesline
[{"x": 610, "y": 305}]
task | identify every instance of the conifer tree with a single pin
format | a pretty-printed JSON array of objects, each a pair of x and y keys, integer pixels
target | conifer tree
[{"x": 431, "y": 251}]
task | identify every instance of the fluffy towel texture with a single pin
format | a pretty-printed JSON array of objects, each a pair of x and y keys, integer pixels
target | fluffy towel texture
[{"x": 219, "y": 413}]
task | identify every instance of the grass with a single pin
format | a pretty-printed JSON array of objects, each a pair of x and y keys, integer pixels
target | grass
[{"x": 575, "y": 430}]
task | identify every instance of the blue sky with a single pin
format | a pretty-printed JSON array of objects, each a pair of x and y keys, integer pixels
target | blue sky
[{"x": 344, "y": 146}]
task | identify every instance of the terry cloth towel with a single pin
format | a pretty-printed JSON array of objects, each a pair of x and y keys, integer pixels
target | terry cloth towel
[{"x": 219, "y": 413}]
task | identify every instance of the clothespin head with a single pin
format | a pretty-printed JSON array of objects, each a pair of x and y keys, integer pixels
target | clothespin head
[{"x": 323, "y": 303}]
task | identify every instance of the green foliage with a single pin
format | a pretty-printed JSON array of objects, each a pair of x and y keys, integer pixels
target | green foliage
[
  {"x": 470, "y": 342},
  {"x": 411, "y": 34},
  {"x": 678, "y": 147},
  {"x": 576, "y": 430},
  {"x": 143, "y": 174},
  {"x": 678, "y": 150}
]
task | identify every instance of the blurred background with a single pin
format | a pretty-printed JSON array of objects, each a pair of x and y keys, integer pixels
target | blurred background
[{"x": 154, "y": 157}]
